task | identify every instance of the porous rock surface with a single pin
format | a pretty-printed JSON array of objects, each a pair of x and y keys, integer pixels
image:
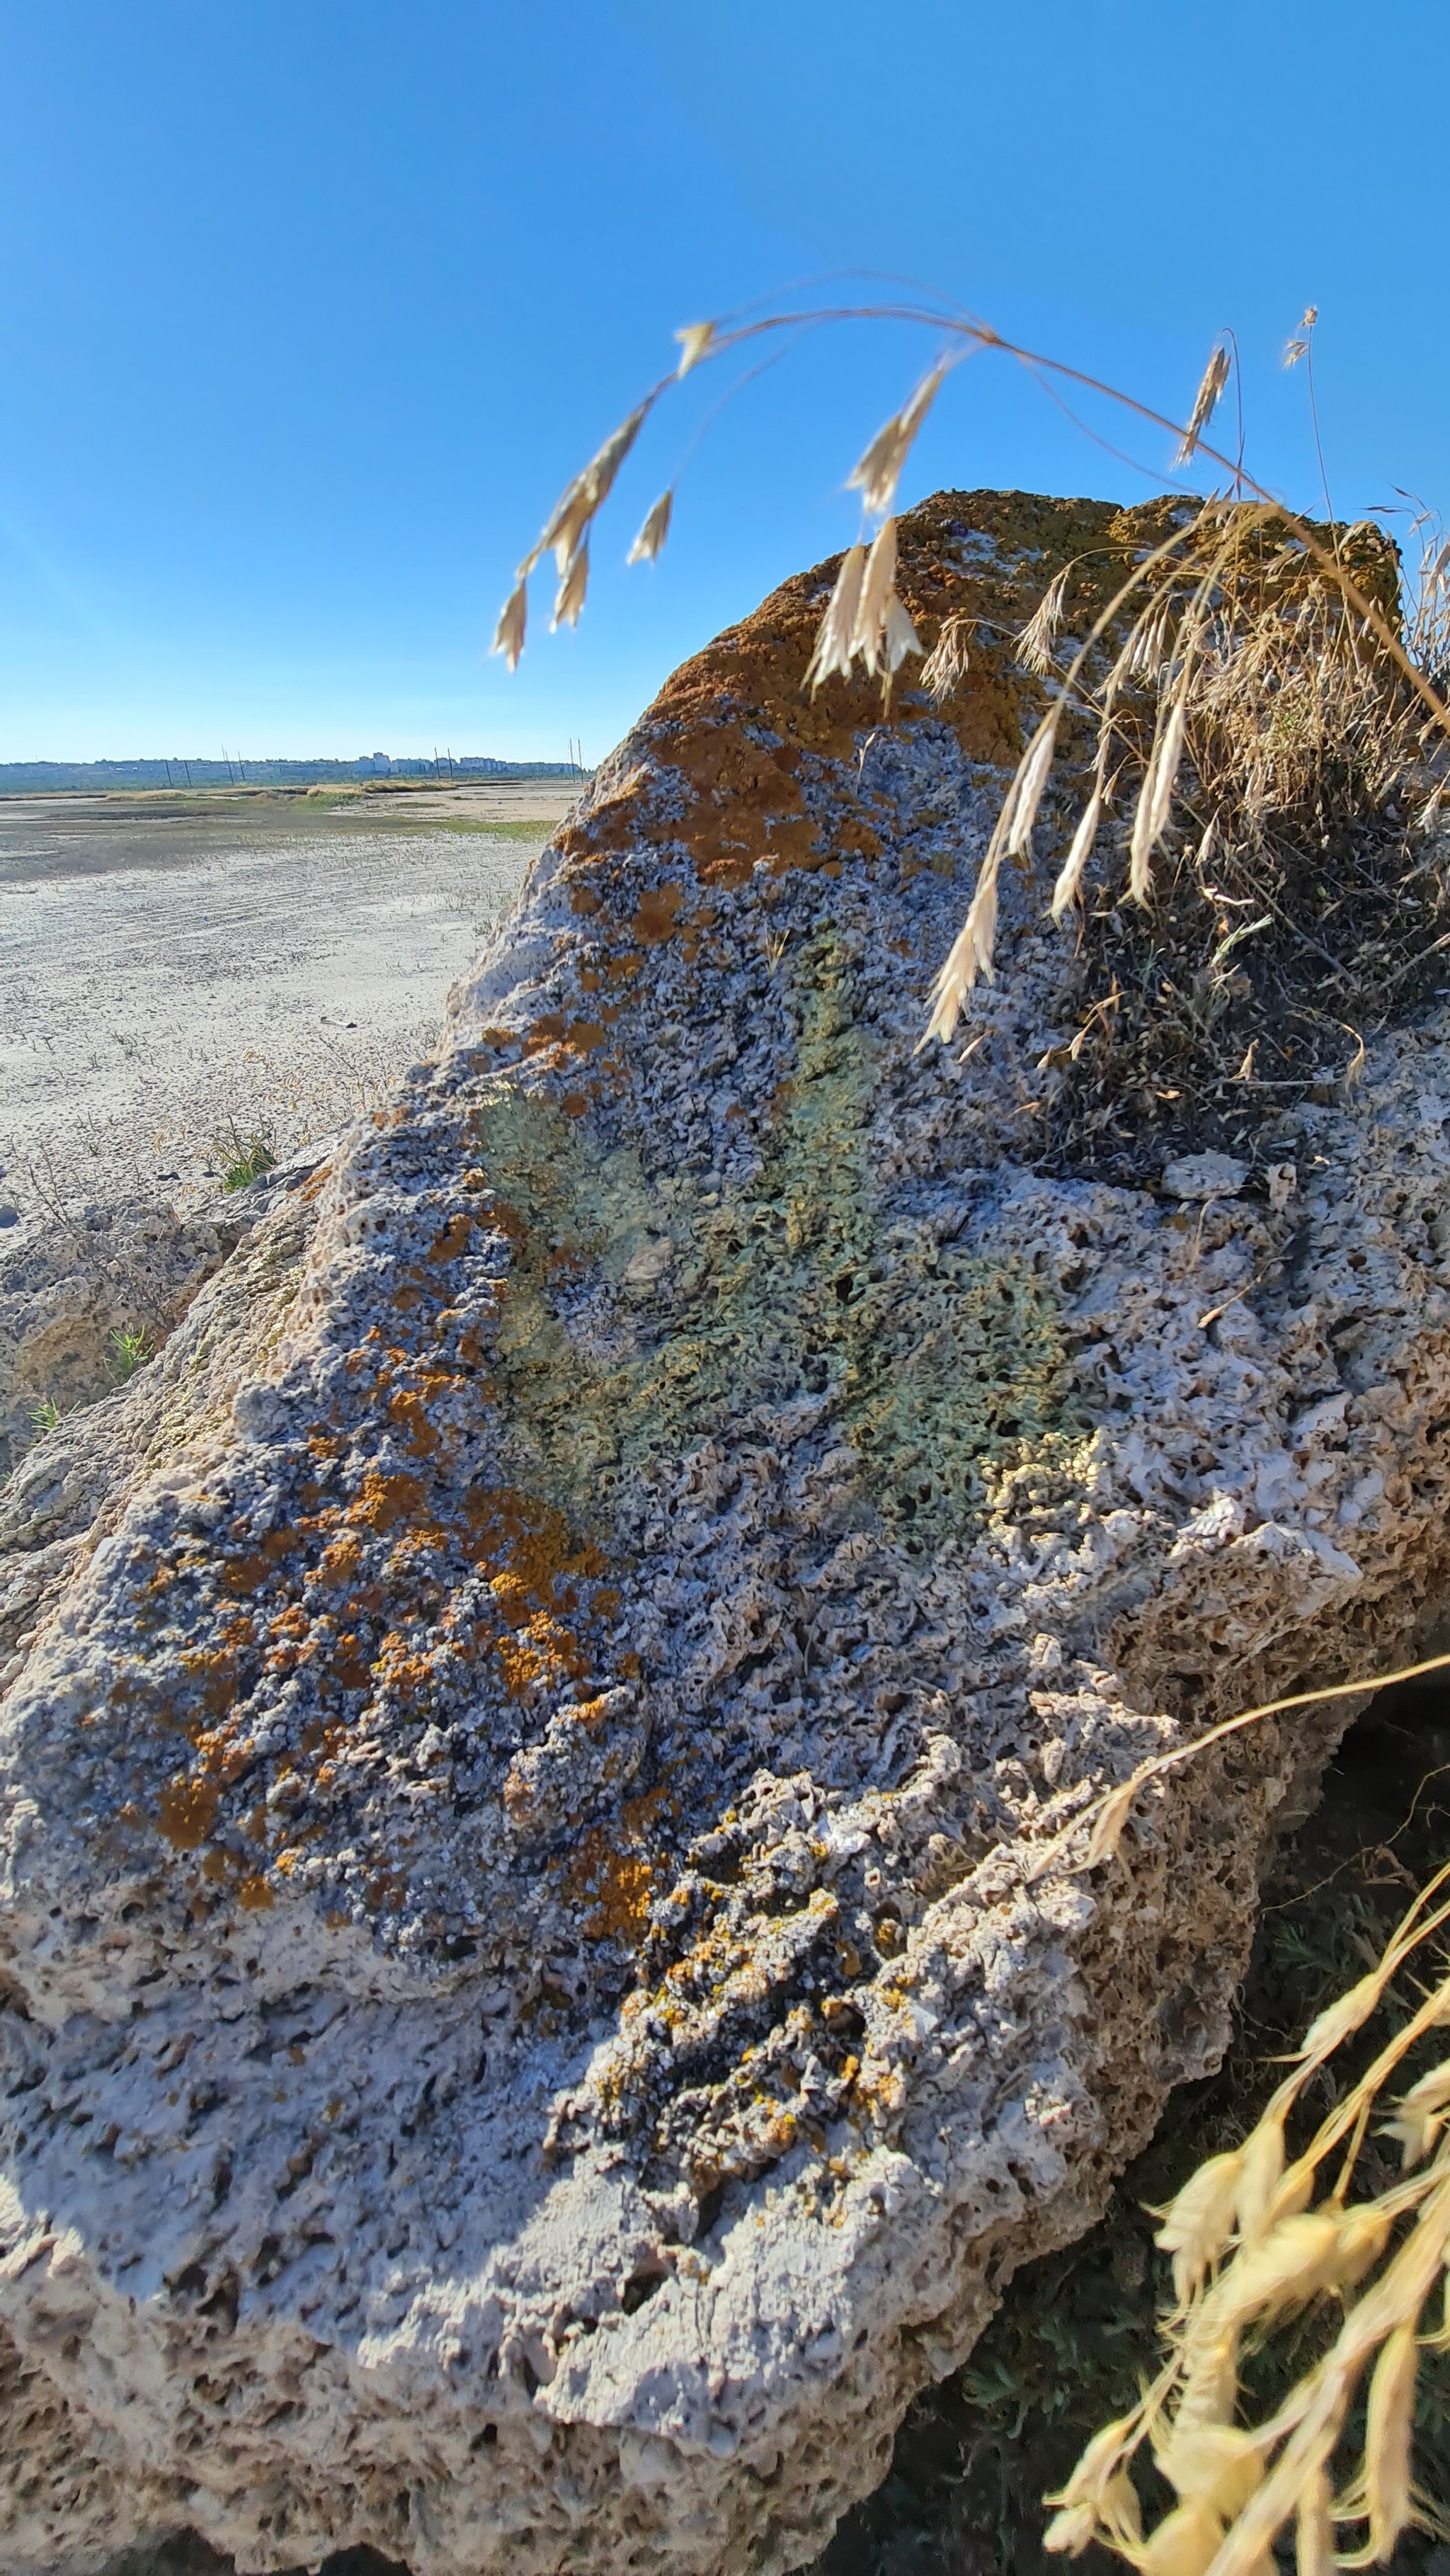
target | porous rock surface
[
  {"x": 70, "y": 1280},
  {"x": 549, "y": 1975}
]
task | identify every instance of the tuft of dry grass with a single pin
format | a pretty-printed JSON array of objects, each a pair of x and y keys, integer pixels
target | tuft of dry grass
[{"x": 1259, "y": 2240}]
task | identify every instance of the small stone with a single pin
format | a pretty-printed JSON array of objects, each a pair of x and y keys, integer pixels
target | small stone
[
  {"x": 1205, "y": 1176},
  {"x": 8, "y": 1215}
]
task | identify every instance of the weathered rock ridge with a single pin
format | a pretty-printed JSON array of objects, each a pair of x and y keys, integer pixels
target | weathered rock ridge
[{"x": 547, "y": 1979}]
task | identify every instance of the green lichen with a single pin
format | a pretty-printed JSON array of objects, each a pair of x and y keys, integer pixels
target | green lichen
[{"x": 942, "y": 1361}]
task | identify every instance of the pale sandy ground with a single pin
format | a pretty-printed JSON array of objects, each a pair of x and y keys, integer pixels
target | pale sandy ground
[{"x": 174, "y": 966}]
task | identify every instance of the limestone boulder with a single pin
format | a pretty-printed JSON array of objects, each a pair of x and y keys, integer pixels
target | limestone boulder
[{"x": 549, "y": 1973}]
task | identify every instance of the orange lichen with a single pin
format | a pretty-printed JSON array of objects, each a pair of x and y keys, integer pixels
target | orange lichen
[
  {"x": 657, "y": 912},
  {"x": 187, "y": 1812},
  {"x": 616, "y": 1886},
  {"x": 453, "y": 1239},
  {"x": 386, "y": 1500}
]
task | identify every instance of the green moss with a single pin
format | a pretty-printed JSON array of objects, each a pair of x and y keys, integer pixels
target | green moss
[{"x": 942, "y": 1360}]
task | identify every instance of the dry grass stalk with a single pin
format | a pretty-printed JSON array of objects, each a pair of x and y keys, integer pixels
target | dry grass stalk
[
  {"x": 948, "y": 662},
  {"x": 1205, "y": 403},
  {"x": 1258, "y": 2241}
]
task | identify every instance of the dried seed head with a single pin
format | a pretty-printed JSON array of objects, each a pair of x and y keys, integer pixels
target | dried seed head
[
  {"x": 1389, "y": 2424},
  {"x": 1420, "y": 2116},
  {"x": 901, "y": 636},
  {"x": 947, "y": 662},
  {"x": 570, "y": 601},
  {"x": 1184, "y": 2544},
  {"x": 1120, "y": 2512},
  {"x": 1155, "y": 803},
  {"x": 1198, "y": 2224},
  {"x": 1034, "y": 644},
  {"x": 1281, "y": 2271},
  {"x": 879, "y": 471},
  {"x": 566, "y": 530},
  {"x": 1214, "y": 2464},
  {"x": 650, "y": 541},
  {"x": 508, "y": 635},
  {"x": 1363, "y": 2235},
  {"x": 877, "y": 585},
  {"x": 1107, "y": 1833},
  {"x": 1298, "y": 347},
  {"x": 1211, "y": 2380},
  {"x": 1314, "y": 2527},
  {"x": 970, "y": 956},
  {"x": 1067, "y": 893},
  {"x": 1344, "y": 2015},
  {"x": 1099, "y": 2463},
  {"x": 1261, "y": 2167},
  {"x": 696, "y": 341},
  {"x": 1026, "y": 793},
  {"x": 835, "y": 641},
  {"x": 1071, "y": 2531},
  {"x": 1205, "y": 402}
]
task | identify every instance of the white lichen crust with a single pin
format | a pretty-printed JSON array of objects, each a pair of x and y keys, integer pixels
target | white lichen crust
[{"x": 548, "y": 1979}]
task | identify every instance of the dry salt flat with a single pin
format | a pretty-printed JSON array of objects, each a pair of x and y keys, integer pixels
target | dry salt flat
[{"x": 172, "y": 968}]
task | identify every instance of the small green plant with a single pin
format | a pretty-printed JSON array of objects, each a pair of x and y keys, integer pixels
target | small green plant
[
  {"x": 129, "y": 1351},
  {"x": 46, "y": 1415},
  {"x": 243, "y": 1158}
]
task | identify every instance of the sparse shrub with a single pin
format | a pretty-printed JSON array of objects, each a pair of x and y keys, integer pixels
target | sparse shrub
[
  {"x": 46, "y": 1415},
  {"x": 130, "y": 1349},
  {"x": 243, "y": 1158}
]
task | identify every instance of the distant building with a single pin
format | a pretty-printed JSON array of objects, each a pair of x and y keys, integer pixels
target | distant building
[{"x": 374, "y": 760}]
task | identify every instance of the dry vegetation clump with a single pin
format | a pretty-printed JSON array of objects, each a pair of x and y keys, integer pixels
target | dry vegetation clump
[{"x": 1257, "y": 878}]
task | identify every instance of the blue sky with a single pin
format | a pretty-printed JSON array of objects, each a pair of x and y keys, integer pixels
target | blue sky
[{"x": 309, "y": 307}]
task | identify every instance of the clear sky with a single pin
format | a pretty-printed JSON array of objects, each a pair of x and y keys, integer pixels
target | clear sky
[{"x": 309, "y": 307}]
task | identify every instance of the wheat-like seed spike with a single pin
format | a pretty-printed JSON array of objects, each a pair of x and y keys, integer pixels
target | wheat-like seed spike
[
  {"x": 1219, "y": 2465},
  {"x": 877, "y": 584},
  {"x": 1107, "y": 1830},
  {"x": 508, "y": 635},
  {"x": 835, "y": 641},
  {"x": 1210, "y": 2379},
  {"x": 570, "y": 602},
  {"x": 879, "y": 471},
  {"x": 1282, "y": 2270},
  {"x": 1020, "y": 812},
  {"x": 650, "y": 541},
  {"x": 1261, "y": 2166},
  {"x": 1185, "y": 2543},
  {"x": 970, "y": 955},
  {"x": 1314, "y": 2527},
  {"x": 1034, "y": 644},
  {"x": 696, "y": 341},
  {"x": 900, "y": 637},
  {"x": 1389, "y": 2422},
  {"x": 1344, "y": 2015},
  {"x": 1421, "y": 2115},
  {"x": 947, "y": 662},
  {"x": 1067, "y": 893},
  {"x": 1198, "y": 2223},
  {"x": 567, "y": 528},
  {"x": 1205, "y": 403}
]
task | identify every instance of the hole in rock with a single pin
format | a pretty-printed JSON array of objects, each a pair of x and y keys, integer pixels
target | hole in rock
[
  {"x": 1074, "y": 2335},
  {"x": 187, "y": 2555}
]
